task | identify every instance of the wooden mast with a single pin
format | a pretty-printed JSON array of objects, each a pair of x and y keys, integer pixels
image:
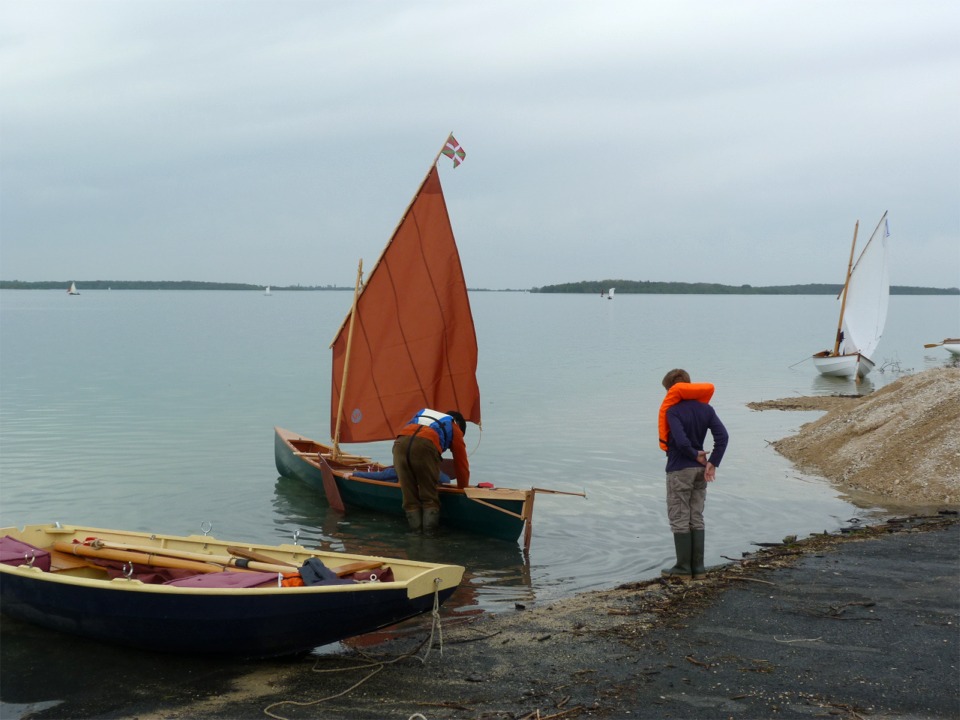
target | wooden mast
[
  {"x": 846, "y": 283},
  {"x": 346, "y": 359}
]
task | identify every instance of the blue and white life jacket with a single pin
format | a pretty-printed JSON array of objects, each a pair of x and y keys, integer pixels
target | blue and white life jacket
[{"x": 437, "y": 421}]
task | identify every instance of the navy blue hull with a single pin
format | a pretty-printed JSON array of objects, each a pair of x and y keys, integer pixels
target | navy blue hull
[{"x": 248, "y": 625}]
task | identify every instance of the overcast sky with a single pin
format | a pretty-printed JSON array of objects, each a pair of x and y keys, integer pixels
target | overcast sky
[{"x": 278, "y": 142}]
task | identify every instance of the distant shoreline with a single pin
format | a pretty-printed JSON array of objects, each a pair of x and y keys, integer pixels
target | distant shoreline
[{"x": 590, "y": 287}]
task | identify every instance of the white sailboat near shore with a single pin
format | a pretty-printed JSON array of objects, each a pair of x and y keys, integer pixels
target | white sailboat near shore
[
  {"x": 72, "y": 290},
  {"x": 863, "y": 308}
]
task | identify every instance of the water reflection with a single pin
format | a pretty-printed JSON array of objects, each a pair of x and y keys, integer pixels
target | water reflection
[
  {"x": 44, "y": 669},
  {"x": 822, "y": 385},
  {"x": 497, "y": 573}
]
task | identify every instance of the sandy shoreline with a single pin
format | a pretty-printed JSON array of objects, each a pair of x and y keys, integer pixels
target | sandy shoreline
[{"x": 899, "y": 444}]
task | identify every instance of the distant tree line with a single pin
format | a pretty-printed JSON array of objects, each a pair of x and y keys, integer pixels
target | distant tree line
[
  {"x": 151, "y": 285},
  {"x": 595, "y": 287},
  {"x": 626, "y": 287}
]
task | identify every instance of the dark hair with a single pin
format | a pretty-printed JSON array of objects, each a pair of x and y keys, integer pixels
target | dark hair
[
  {"x": 458, "y": 419},
  {"x": 675, "y": 376}
]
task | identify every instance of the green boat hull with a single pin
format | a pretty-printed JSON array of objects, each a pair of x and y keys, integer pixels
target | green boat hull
[{"x": 301, "y": 459}]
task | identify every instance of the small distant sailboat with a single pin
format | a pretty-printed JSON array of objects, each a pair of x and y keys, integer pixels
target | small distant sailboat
[
  {"x": 72, "y": 290},
  {"x": 610, "y": 293},
  {"x": 267, "y": 291},
  {"x": 863, "y": 308}
]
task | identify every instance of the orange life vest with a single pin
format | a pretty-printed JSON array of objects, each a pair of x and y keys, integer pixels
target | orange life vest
[{"x": 680, "y": 391}]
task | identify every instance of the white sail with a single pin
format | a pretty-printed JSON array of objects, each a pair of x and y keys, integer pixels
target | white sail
[
  {"x": 610, "y": 295},
  {"x": 868, "y": 294}
]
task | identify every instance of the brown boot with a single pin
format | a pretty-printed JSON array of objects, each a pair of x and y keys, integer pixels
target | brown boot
[
  {"x": 415, "y": 521},
  {"x": 431, "y": 521}
]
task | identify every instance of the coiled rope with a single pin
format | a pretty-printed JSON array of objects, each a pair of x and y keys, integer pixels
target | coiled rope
[{"x": 435, "y": 628}]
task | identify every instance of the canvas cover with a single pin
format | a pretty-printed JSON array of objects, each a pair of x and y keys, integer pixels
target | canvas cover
[{"x": 16, "y": 552}]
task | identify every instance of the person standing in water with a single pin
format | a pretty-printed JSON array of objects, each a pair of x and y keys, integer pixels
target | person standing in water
[
  {"x": 689, "y": 417},
  {"x": 416, "y": 457}
]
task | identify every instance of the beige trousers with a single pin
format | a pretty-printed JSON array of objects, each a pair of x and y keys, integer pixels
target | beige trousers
[
  {"x": 686, "y": 495},
  {"x": 418, "y": 470}
]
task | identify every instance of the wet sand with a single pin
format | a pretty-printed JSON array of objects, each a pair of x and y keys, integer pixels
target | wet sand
[{"x": 843, "y": 625}]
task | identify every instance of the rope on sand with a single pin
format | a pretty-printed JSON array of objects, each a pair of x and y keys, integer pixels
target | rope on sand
[{"x": 377, "y": 665}]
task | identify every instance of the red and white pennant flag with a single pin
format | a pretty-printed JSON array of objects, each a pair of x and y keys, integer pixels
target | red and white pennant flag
[{"x": 453, "y": 150}]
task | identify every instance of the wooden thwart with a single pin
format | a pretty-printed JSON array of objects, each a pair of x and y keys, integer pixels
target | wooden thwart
[{"x": 61, "y": 561}]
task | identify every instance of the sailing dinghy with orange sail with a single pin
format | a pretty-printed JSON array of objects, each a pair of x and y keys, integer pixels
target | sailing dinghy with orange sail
[{"x": 407, "y": 343}]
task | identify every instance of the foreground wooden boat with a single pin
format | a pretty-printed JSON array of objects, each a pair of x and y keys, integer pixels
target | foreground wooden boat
[
  {"x": 494, "y": 512},
  {"x": 863, "y": 309},
  {"x": 200, "y": 595}
]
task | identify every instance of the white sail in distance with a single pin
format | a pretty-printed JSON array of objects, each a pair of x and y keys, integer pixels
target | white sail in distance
[{"x": 868, "y": 295}]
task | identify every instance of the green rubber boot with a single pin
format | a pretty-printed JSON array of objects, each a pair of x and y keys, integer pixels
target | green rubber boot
[
  {"x": 696, "y": 556},
  {"x": 431, "y": 521},
  {"x": 681, "y": 541},
  {"x": 415, "y": 521}
]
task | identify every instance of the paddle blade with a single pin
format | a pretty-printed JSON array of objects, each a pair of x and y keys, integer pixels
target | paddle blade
[{"x": 331, "y": 490}]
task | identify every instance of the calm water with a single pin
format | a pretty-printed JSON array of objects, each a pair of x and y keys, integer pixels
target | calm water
[{"x": 155, "y": 411}]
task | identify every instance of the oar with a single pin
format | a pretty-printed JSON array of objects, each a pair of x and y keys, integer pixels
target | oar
[
  {"x": 135, "y": 557},
  {"x": 330, "y": 488},
  {"x": 930, "y": 345},
  {"x": 357, "y": 567},
  {"x": 261, "y": 563},
  {"x": 259, "y": 557},
  {"x": 228, "y": 562}
]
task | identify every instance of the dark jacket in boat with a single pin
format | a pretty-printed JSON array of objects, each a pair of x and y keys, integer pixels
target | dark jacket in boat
[{"x": 689, "y": 422}]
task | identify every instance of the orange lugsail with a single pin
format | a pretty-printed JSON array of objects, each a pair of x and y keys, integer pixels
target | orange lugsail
[{"x": 413, "y": 343}]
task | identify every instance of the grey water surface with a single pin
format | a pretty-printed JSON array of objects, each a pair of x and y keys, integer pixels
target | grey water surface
[{"x": 154, "y": 411}]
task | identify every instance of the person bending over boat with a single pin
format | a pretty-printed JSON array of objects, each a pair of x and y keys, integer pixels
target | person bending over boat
[
  {"x": 416, "y": 457},
  {"x": 689, "y": 469}
]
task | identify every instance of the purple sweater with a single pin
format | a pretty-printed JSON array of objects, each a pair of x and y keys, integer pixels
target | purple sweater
[{"x": 689, "y": 421}]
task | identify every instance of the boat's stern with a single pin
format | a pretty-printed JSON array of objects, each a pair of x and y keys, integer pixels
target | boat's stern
[{"x": 441, "y": 580}]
